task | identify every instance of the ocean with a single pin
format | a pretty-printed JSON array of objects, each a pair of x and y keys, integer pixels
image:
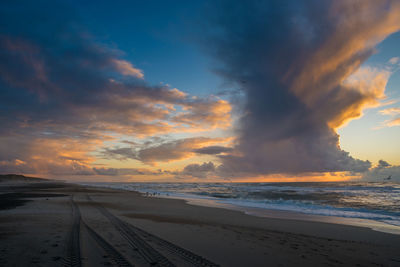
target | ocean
[{"x": 374, "y": 201}]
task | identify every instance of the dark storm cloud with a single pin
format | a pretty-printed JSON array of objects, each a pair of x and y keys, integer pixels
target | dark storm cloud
[
  {"x": 166, "y": 150},
  {"x": 292, "y": 60},
  {"x": 126, "y": 171},
  {"x": 382, "y": 172},
  {"x": 383, "y": 164},
  {"x": 121, "y": 153},
  {"x": 198, "y": 170},
  {"x": 212, "y": 150}
]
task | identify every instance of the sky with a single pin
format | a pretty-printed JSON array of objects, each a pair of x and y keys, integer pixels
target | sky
[{"x": 199, "y": 91}]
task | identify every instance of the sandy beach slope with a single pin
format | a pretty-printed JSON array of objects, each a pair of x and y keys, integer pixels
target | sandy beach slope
[{"x": 56, "y": 224}]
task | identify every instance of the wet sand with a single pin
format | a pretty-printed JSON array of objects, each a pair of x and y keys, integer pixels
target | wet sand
[{"x": 55, "y": 224}]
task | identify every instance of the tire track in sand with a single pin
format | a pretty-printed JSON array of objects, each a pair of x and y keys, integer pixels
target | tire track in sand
[
  {"x": 184, "y": 254},
  {"x": 73, "y": 258},
  {"x": 74, "y": 249},
  {"x": 148, "y": 253},
  {"x": 111, "y": 252},
  {"x": 138, "y": 236}
]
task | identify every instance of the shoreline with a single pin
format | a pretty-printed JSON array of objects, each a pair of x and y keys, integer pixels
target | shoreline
[
  {"x": 292, "y": 215},
  {"x": 62, "y": 223},
  {"x": 272, "y": 213}
]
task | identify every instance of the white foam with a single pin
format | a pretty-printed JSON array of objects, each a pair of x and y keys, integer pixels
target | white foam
[{"x": 200, "y": 194}]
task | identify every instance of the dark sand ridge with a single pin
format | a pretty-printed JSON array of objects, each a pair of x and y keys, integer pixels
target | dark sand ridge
[{"x": 69, "y": 225}]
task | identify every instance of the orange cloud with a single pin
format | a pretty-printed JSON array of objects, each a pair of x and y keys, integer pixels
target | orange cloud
[
  {"x": 369, "y": 84},
  {"x": 126, "y": 68},
  {"x": 72, "y": 130},
  {"x": 393, "y": 122},
  {"x": 394, "y": 112},
  {"x": 49, "y": 157},
  {"x": 64, "y": 94},
  {"x": 340, "y": 57},
  {"x": 205, "y": 115},
  {"x": 390, "y": 111}
]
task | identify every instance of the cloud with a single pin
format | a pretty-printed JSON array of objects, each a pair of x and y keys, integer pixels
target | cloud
[
  {"x": 215, "y": 114},
  {"x": 395, "y": 113},
  {"x": 120, "y": 153},
  {"x": 59, "y": 86},
  {"x": 212, "y": 150},
  {"x": 299, "y": 66},
  {"x": 394, "y": 122},
  {"x": 61, "y": 158},
  {"x": 198, "y": 170},
  {"x": 381, "y": 172},
  {"x": 164, "y": 151},
  {"x": 390, "y": 111},
  {"x": 126, "y": 171},
  {"x": 371, "y": 83},
  {"x": 383, "y": 164},
  {"x": 46, "y": 156},
  {"x": 126, "y": 68},
  {"x": 394, "y": 60}
]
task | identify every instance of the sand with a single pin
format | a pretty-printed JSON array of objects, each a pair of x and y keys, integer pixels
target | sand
[{"x": 57, "y": 224}]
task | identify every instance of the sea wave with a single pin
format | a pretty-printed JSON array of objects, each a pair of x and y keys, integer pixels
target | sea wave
[{"x": 373, "y": 201}]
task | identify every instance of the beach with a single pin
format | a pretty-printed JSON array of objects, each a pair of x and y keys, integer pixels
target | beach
[{"x": 61, "y": 224}]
